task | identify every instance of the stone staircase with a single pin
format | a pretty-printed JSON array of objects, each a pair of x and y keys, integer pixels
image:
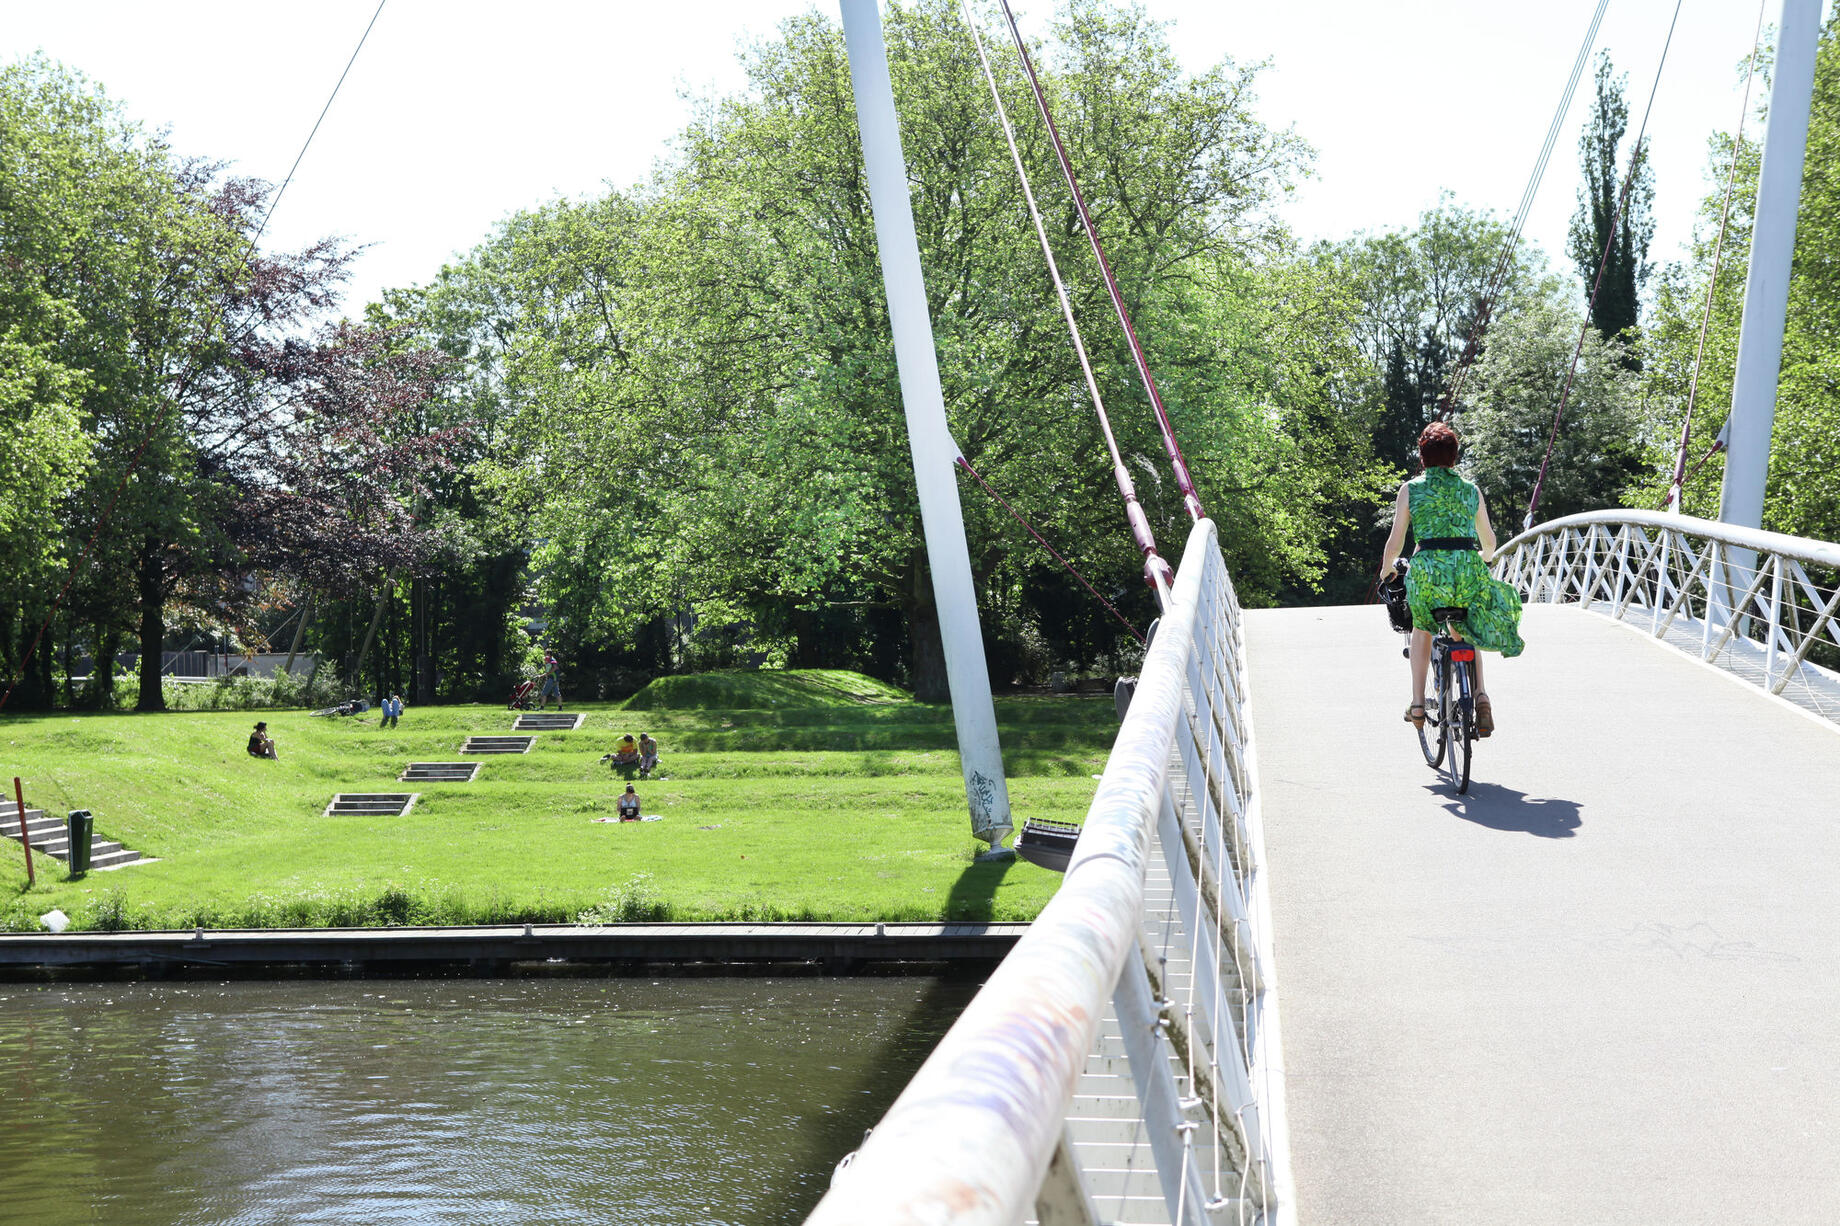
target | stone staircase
[
  {"x": 51, "y": 836},
  {"x": 538, "y": 721},
  {"x": 498, "y": 744},
  {"x": 440, "y": 772},
  {"x": 371, "y": 804}
]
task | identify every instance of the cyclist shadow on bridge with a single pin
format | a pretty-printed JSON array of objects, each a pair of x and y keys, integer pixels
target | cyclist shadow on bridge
[{"x": 1499, "y": 808}]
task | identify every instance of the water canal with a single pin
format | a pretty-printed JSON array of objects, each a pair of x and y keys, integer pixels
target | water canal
[{"x": 437, "y": 1101}]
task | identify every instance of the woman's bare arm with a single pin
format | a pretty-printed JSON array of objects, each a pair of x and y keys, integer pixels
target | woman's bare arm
[
  {"x": 1396, "y": 541},
  {"x": 1485, "y": 531}
]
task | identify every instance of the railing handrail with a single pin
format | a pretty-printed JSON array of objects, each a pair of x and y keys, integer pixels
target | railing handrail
[
  {"x": 1805, "y": 549},
  {"x": 970, "y": 1137}
]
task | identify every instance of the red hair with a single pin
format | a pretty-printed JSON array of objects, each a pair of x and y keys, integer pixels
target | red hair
[{"x": 1437, "y": 445}]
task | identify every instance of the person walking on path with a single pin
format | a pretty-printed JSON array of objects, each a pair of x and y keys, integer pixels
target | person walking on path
[
  {"x": 551, "y": 681},
  {"x": 1455, "y": 542}
]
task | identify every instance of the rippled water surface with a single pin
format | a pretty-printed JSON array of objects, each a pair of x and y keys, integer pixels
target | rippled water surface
[{"x": 513, "y": 1101}]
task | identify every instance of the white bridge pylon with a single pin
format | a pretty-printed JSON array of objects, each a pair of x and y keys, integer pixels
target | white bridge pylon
[{"x": 928, "y": 437}]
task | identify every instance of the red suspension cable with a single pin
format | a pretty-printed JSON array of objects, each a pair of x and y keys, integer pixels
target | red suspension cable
[
  {"x": 1184, "y": 482},
  {"x": 1156, "y": 570},
  {"x": 1042, "y": 541}
]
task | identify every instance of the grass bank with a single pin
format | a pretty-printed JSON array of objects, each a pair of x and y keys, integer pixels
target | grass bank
[{"x": 801, "y": 796}]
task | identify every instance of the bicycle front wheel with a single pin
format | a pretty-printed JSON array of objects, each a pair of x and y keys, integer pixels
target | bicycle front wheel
[{"x": 1431, "y": 732}]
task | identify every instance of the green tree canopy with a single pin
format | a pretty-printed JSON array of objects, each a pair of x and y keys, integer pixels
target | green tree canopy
[{"x": 705, "y": 411}]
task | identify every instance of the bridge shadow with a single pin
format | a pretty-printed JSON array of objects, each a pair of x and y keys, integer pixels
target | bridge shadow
[
  {"x": 1499, "y": 808},
  {"x": 974, "y": 894}
]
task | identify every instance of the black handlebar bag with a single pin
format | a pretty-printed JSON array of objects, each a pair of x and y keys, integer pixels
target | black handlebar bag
[{"x": 1393, "y": 595}]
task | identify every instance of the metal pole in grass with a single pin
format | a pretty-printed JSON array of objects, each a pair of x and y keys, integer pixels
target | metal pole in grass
[{"x": 19, "y": 794}]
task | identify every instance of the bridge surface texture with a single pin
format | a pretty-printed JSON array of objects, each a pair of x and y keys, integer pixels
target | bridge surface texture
[{"x": 1602, "y": 987}]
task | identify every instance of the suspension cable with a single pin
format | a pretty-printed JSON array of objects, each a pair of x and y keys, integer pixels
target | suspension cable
[
  {"x": 1712, "y": 282},
  {"x": 1190, "y": 500},
  {"x": 1043, "y": 542},
  {"x": 1505, "y": 261},
  {"x": 134, "y": 461},
  {"x": 1127, "y": 489},
  {"x": 1603, "y": 262}
]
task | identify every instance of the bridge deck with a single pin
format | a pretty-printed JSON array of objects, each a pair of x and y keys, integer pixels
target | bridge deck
[{"x": 1602, "y": 987}]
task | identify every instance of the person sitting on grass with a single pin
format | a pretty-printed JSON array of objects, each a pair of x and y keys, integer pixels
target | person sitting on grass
[
  {"x": 648, "y": 755},
  {"x": 629, "y": 805},
  {"x": 261, "y": 745},
  {"x": 625, "y": 753}
]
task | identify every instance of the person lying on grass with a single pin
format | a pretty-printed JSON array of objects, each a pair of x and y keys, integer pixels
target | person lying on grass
[
  {"x": 629, "y": 805},
  {"x": 261, "y": 745}
]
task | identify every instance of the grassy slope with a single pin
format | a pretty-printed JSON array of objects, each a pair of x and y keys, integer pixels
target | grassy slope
[{"x": 806, "y": 796}]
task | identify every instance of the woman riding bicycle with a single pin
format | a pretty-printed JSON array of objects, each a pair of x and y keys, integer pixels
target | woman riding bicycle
[{"x": 1450, "y": 567}]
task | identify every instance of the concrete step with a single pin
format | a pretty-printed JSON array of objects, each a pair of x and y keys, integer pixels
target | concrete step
[
  {"x": 439, "y": 772},
  {"x": 498, "y": 744},
  {"x": 371, "y": 804},
  {"x": 50, "y": 836},
  {"x": 538, "y": 721}
]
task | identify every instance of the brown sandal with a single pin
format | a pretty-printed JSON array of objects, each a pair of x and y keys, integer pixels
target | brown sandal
[
  {"x": 1485, "y": 716},
  {"x": 1417, "y": 721}
]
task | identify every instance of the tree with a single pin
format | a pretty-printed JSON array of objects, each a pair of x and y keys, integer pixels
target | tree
[
  {"x": 707, "y": 415},
  {"x": 1597, "y": 454},
  {"x": 1624, "y": 257},
  {"x": 224, "y": 435},
  {"x": 1418, "y": 295},
  {"x": 1414, "y": 306}
]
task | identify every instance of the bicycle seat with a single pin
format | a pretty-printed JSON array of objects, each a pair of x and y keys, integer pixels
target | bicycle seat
[{"x": 1444, "y": 614}]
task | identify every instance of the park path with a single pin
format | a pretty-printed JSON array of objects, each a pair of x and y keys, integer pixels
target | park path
[{"x": 1603, "y": 987}]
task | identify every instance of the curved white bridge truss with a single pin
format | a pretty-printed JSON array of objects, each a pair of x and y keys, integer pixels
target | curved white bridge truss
[
  {"x": 1123, "y": 1064},
  {"x": 1762, "y": 605}
]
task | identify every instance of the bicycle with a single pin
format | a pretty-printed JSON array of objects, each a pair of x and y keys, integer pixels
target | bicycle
[
  {"x": 1450, "y": 705},
  {"x": 1449, "y": 730},
  {"x": 351, "y": 706}
]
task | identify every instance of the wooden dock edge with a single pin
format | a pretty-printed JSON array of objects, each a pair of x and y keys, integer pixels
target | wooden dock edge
[{"x": 536, "y": 949}]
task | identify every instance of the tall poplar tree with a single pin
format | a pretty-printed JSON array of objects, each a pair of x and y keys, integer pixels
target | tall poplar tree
[{"x": 1625, "y": 267}]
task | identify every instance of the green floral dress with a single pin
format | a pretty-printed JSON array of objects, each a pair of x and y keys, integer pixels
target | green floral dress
[{"x": 1444, "y": 505}]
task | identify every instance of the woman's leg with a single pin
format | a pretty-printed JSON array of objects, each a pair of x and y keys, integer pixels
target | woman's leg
[
  {"x": 1421, "y": 664},
  {"x": 1485, "y": 710}
]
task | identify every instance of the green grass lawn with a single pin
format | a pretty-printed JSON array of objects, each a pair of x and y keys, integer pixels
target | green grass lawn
[{"x": 786, "y": 796}]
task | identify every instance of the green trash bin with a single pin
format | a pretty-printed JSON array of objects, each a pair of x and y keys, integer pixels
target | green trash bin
[{"x": 81, "y": 827}]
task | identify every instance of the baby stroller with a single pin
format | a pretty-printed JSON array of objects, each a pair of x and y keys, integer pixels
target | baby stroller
[{"x": 520, "y": 697}]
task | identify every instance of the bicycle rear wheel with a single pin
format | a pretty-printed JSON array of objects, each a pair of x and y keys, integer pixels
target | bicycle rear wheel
[
  {"x": 1431, "y": 732},
  {"x": 1459, "y": 720}
]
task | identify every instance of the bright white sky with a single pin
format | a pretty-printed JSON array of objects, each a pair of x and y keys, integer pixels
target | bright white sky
[{"x": 459, "y": 112}]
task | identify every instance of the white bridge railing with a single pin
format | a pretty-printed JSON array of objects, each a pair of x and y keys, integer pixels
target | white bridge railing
[
  {"x": 1760, "y": 604},
  {"x": 1025, "y": 1108}
]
